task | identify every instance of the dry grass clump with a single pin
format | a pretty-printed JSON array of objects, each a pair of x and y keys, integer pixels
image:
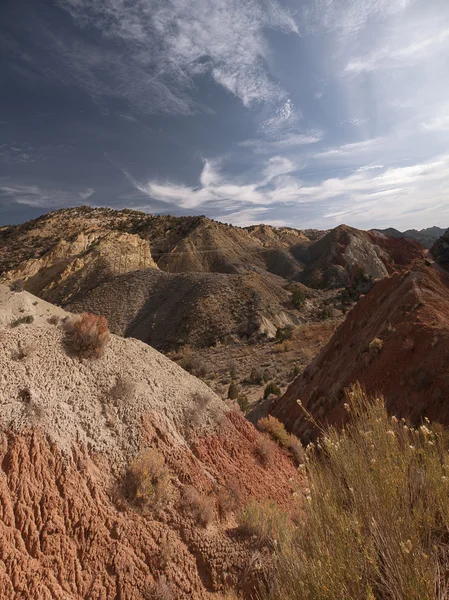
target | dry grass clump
[
  {"x": 228, "y": 501},
  {"x": 376, "y": 516},
  {"x": 88, "y": 335},
  {"x": 201, "y": 507},
  {"x": 267, "y": 523},
  {"x": 229, "y": 595},
  {"x": 123, "y": 389},
  {"x": 148, "y": 480},
  {"x": 161, "y": 590},
  {"x": 276, "y": 430},
  {"x": 264, "y": 449}
]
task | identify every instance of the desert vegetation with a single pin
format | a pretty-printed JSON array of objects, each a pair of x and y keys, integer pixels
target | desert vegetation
[
  {"x": 87, "y": 335},
  {"x": 147, "y": 482},
  {"x": 374, "y": 522}
]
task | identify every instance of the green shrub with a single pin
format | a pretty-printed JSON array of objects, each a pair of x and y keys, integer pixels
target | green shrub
[
  {"x": 298, "y": 299},
  {"x": 243, "y": 402},
  {"x": 233, "y": 391},
  {"x": 256, "y": 377},
  {"x": 271, "y": 388},
  {"x": 284, "y": 333},
  {"x": 22, "y": 321}
]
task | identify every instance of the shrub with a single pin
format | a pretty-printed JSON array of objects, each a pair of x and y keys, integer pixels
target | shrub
[
  {"x": 53, "y": 320},
  {"x": 324, "y": 314},
  {"x": 375, "y": 346},
  {"x": 266, "y": 522},
  {"x": 276, "y": 430},
  {"x": 124, "y": 388},
  {"x": 298, "y": 299},
  {"x": 233, "y": 391},
  {"x": 162, "y": 590},
  {"x": 232, "y": 368},
  {"x": 22, "y": 321},
  {"x": 199, "y": 506},
  {"x": 256, "y": 377},
  {"x": 227, "y": 501},
  {"x": 271, "y": 388},
  {"x": 264, "y": 449},
  {"x": 148, "y": 480},
  {"x": 284, "y": 333},
  {"x": 295, "y": 372},
  {"x": 243, "y": 402},
  {"x": 88, "y": 335},
  {"x": 375, "y": 519}
]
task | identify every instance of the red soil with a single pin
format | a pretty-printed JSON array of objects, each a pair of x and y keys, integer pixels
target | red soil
[
  {"x": 66, "y": 534},
  {"x": 409, "y": 312}
]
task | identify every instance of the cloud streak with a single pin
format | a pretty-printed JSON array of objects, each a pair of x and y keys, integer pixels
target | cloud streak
[{"x": 172, "y": 42}]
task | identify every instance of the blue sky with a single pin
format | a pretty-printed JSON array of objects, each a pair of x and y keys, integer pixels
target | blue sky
[{"x": 301, "y": 113}]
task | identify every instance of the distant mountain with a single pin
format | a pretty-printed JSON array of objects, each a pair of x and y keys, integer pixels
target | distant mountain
[
  {"x": 427, "y": 237},
  {"x": 172, "y": 281},
  {"x": 440, "y": 250}
]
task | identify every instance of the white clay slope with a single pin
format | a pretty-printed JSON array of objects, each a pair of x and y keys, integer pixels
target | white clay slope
[{"x": 77, "y": 400}]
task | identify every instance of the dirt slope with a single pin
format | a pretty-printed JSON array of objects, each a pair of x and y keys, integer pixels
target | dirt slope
[
  {"x": 440, "y": 250},
  {"x": 199, "y": 309},
  {"x": 67, "y": 434},
  {"x": 395, "y": 341}
]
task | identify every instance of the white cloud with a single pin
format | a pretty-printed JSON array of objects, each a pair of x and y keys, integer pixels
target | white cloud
[
  {"x": 35, "y": 196},
  {"x": 367, "y": 195},
  {"x": 170, "y": 42},
  {"x": 289, "y": 142},
  {"x": 349, "y": 15}
]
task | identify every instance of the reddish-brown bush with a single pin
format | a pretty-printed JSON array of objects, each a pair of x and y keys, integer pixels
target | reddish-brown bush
[{"x": 89, "y": 335}]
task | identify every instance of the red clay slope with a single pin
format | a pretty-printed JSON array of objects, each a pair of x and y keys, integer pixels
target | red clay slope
[{"x": 409, "y": 314}]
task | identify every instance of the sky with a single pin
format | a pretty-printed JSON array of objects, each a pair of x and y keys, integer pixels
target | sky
[{"x": 301, "y": 113}]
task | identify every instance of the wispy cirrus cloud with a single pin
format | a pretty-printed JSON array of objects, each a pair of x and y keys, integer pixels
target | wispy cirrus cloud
[
  {"x": 171, "y": 42},
  {"x": 35, "y": 196},
  {"x": 365, "y": 196},
  {"x": 349, "y": 15}
]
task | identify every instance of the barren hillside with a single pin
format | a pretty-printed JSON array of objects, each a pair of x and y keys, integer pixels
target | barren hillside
[
  {"x": 395, "y": 341},
  {"x": 440, "y": 250},
  {"x": 74, "y": 430}
]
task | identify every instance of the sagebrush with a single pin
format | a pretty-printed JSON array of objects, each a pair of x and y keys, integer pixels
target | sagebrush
[{"x": 375, "y": 522}]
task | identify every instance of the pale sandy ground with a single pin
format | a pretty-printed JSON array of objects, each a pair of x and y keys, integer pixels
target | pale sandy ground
[{"x": 76, "y": 400}]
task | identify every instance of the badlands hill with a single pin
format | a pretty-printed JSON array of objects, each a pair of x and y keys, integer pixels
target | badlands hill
[
  {"x": 427, "y": 237},
  {"x": 77, "y": 434},
  {"x": 217, "y": 279},
  {"x": 440, "y": 250},
  {"x": 395, "y": 341}
]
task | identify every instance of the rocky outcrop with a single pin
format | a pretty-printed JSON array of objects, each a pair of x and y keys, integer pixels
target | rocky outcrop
[{"x": 75, "y": 266}]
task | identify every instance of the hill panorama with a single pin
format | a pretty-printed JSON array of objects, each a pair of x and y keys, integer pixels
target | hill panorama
[
  {"x": 163, "y": 383},
  {"x": 190, "y": 284}
]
